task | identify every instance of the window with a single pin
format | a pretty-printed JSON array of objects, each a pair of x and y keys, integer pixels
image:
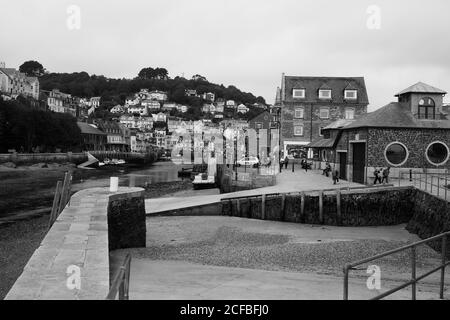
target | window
[
  {"x": 427, "y": 108},
  {"x": 437, "y": 153},
  {"x": 324, "y": 94},
  {"x": 298, "y": 130},
  {"x": 298, "y": 93},
  {"x": 349, "y": 113},
  {"x": 299, "y": 113},
  {"x": 396, "y": 154},
  {"x": 324, "y": 113},
  {"x": 259, "y": 125},
  {"x": 320, "y": 131},
  {"x": 351, "y": 94}
]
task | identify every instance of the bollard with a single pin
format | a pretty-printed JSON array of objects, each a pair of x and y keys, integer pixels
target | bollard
[
  {"x": 293, "y": 170},
  {"x": 114, "y": 184}
]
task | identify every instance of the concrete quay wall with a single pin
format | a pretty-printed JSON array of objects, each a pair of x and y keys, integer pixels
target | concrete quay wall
[{"x": 78, "y": 245}]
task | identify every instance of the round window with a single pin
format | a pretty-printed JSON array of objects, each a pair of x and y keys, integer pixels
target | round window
[
  {"x": 396, "y": 154},
  {"x": 437, "y": 153}
]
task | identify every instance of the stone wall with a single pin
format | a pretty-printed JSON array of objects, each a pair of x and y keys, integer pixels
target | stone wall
[
  {"x": 416, "y": 140},
  {"x": 380, "y": 207},
  {"x": 430, "y": 217},
  {"x": 78, "y": 243},
  {"x": 226, "y": 180},
  {"x": 30, "y": 158}
]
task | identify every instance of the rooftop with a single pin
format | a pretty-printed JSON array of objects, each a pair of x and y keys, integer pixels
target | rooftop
[
  {"x": 338, "y": 85},
  {"x": 421, "y": 87},
  {"x": 394, "y": 115}
]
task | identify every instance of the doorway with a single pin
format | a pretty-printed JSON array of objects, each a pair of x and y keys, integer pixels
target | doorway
[
  {"x": 359, "y": 162},
  {"x": 343, "y": 165}
]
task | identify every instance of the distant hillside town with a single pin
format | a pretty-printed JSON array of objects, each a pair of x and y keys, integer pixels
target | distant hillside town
[{"x": 119, "y": 120}]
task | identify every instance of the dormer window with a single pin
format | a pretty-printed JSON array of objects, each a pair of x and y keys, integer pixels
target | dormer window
[
  {"x": 299, "y": 93},
  {"x": 427, "y": 109},
  {"x": 325, "y": 94},
  {"x": 351, "y": 94}
]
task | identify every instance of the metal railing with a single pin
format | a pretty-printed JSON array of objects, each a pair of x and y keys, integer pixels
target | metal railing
[
  {"x": 61, "y": 198},
  {"x": 435, "y": 183},
  {"x": 121, "y": 282},
  {"x": 414, "y": 278}
]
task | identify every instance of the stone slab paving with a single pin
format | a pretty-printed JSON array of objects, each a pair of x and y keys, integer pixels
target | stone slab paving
[
  {"x": 79, "y": 237},
  {"x": 287, "y": 181}
]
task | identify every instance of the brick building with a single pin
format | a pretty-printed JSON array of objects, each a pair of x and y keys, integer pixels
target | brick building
[
  {"x": 309, "y": 104},
  {"x": 411, "y": 134}
]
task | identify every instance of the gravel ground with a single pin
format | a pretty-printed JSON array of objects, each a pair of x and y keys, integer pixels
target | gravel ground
[
  {"x": 18, "y": 242},
  {"x": 234, "y": 242}
]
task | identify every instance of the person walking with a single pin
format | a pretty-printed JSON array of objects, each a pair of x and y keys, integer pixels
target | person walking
[
  {"x": 386, "y": 175},
  {"x": 377, "y": 173},
  {"x": 335, "y": 175},
  {"x": 286, "y": 162}
]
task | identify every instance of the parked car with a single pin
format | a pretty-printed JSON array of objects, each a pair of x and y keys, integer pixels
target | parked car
[{"x": 248, "y": 162}]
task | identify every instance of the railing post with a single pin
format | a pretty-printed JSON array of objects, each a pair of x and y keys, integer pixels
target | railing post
[
  {"x": 445, "y": 187},
  {"x": 321, "y": 207},
  {"x": 426, "y": 181},
  {"x": 438, "y": 185},
  {"x": 346, "y": 269},
  {"x": 399, "y": 177},
  {"x": 410, "y": 175},
  {"x": 263, "y": 207},
  {"x": 444, "y": 251},
  {"x": 413, "y": 273}
]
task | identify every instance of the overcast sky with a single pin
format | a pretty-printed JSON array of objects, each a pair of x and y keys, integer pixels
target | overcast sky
[{"x": 246, "y": 43}]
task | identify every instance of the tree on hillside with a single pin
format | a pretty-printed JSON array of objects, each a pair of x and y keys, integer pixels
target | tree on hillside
[
  {"x": 198, "y": 77},
  {"x": 32, "y": 68},
  {"x": 157, "y": 73}
]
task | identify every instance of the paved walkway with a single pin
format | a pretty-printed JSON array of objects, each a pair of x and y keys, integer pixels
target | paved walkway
[
  {"x": 178, "y": 280},
  {"x": 287, "y": 181}
]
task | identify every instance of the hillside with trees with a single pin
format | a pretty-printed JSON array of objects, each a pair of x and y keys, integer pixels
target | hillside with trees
[
  {"x": 115, "y": 91},
  {"x": 25, "y": 129}
]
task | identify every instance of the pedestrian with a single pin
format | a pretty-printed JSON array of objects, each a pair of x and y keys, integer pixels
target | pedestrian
[
  {"x": 335, "y": 176},
  {"x": 286, "y": 162},
  {"x": 386, "y": 175},
  {"x": 327, "y": 170},
  {"x": 376, "y": 173}
]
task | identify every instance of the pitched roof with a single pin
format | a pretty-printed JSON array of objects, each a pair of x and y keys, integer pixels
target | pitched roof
[
  {"x": 421, "y": 87},
  {"x": 394, "y": 115},
  {"x": 322, "y": 143},
  {"x": 337, "y": 84},
  {"x": 89, "y": 129},
  {"x": 339, "y": 124}
]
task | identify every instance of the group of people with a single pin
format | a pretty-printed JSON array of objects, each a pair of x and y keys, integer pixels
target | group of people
[
  {"x": 381, "y": 175},
  {"x": 334, "y": 173}
]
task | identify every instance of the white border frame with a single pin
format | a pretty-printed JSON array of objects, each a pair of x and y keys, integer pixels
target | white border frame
[
  {"x": 437, "y": 164},
  {"x": 386, "y": 158}
]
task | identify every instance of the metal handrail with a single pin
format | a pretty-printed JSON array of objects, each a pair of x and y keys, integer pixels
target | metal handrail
[
  {"x": 423, "y": 178},
  {"x": 121, "y": 282},
  {"x": 414, "y": 278},
  {"x": 307, "y": 192}
]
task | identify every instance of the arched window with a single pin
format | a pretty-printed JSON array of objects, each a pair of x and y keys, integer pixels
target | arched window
[
  {"x": 437, "y": 153},
  {"x": 427, "y": 108},
  {"x": 396, "y": 154}
]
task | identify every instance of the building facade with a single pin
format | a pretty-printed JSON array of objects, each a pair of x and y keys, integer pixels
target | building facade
[
  {"x": 309, "y": 104},
  {"x": 410, "y": 134}
]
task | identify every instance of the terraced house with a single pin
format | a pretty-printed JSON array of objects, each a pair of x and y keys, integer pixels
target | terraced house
[{"x": 309, "y": 104}]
